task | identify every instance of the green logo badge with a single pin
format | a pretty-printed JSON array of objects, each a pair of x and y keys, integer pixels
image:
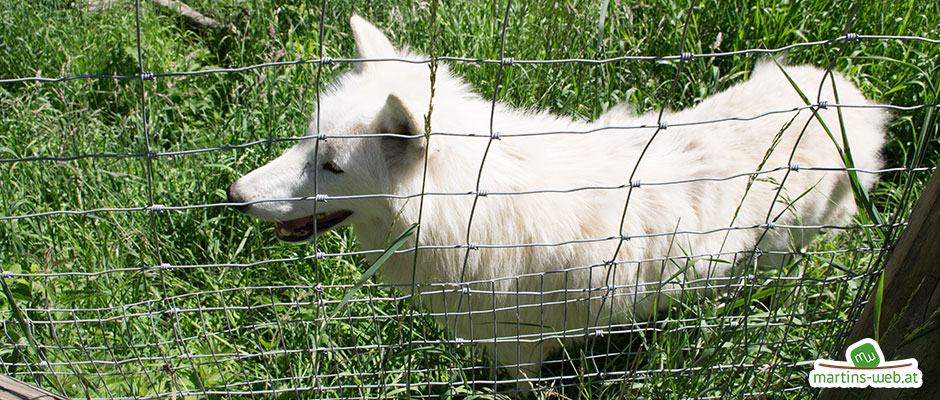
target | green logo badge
[{"x": 865, "y": 355}]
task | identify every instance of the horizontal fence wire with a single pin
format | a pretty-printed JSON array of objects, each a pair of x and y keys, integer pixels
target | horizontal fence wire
[
  {"x": 505, "y": 61},
  {"x": 323, "y": 198},
  {"x": 318, "y": 340}
]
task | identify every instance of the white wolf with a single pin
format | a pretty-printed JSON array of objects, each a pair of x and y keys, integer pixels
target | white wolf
[{"x": 546, "y": 267}]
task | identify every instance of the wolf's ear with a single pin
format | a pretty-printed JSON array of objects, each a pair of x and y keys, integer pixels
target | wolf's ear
[
  {"x": 371, "y": 42},
  {"x": 398, "y": 119}
]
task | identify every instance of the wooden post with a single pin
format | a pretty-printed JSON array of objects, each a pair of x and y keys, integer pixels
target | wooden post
[{"x": 910, "y": 311}]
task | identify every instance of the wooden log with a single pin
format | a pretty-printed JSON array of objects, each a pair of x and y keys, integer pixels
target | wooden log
[
  {"x": 172, "y": 6},
  {"x": 191, "y": 15},
  {"x": 909, "y": 326},
  {"x": 14, "y": 389}
]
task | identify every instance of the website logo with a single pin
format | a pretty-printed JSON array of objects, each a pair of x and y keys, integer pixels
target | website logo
[{"x": 865, "y": 367}]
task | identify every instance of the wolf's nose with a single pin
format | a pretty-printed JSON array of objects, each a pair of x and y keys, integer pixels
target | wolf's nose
[{"x": 233, "y": 197}]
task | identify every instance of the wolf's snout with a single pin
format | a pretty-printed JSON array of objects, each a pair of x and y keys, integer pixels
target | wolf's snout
[{"x": 235, "y": 197}]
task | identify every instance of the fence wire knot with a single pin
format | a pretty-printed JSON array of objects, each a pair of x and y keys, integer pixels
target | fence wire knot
[
  {"x": 483, "y": 193},
  {"x": 794, "y": 167},
  {"x": 151, "y": 154},
  {"x": 165, "y": 267},
  {"x": 685, "y": 56},
  {"x": 663, "y": 125},
  {"x": 771, "y": 225},
  {"x": 321, "y": 136},
  {"x": 322, "y": 198},
  {"x": 624, "y": 237},
  {"x": 494, "y": 135},
  {"x": 823, "y": 104},
  {"x": 146, "y": 76},
  {"x": 327, "y": 61},
  {"x": 635, "y": 183},
  {"x": 506, "y": 62},
  {"x": 6, "y": 274},
  {"x": 851, "y": 36},
  {"x": 465, "y": 290},
  {"x": 473, "y": 246},
  {"x": 156, "y": 208},
  {"x": 319, "y": 256}
]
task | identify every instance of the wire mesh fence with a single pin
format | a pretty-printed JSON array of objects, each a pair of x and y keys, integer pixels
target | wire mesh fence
[{"x": 151, "y": 317}]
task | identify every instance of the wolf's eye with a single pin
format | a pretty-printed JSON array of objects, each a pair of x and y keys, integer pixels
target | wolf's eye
[{"x": 332, "y": 168}]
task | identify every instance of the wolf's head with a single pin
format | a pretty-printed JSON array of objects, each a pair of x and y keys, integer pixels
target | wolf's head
[{"x": 378, "y": 98}]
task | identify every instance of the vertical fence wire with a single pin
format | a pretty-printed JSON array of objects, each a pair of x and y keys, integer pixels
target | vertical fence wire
[
  {"x": 169, "y": 305},
  {"x": 316, "y": 187},
  {"x": 767, "y": 220},
  {"x": 476, "y": 195}
]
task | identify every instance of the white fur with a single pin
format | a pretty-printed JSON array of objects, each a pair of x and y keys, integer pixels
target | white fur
[{"x": 394, "y": 96}]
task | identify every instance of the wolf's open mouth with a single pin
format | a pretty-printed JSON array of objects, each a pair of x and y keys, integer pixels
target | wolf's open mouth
[{"x": 303, "y": 228}]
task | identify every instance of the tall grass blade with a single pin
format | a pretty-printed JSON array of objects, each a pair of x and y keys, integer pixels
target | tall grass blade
[
  {"x": 21, "y": 321},
  {"x": 879, "y": 295},
  {"x": 392, "y": 248},
  {"x": 862, "y": 199}
]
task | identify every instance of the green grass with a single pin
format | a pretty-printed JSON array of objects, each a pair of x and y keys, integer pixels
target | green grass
[{"x": 245, "y": 309}]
